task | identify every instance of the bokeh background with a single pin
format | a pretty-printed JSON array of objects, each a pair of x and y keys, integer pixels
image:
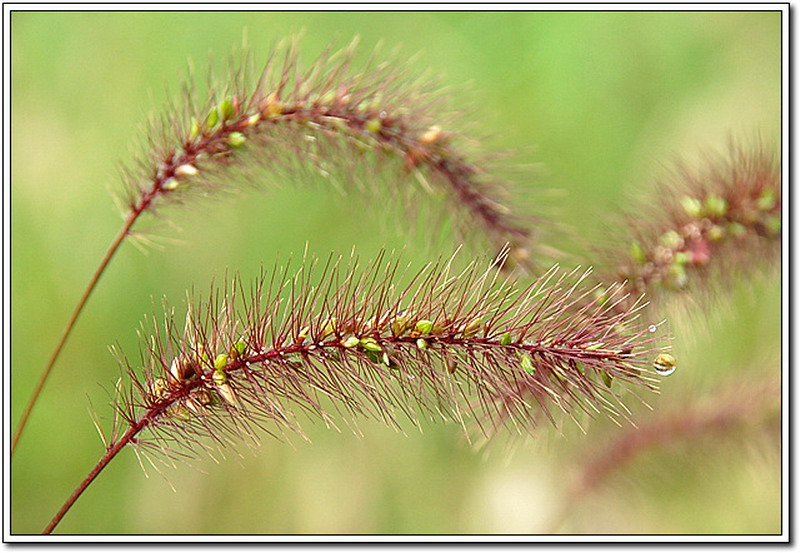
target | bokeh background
[{"x": 597, "y": 104}]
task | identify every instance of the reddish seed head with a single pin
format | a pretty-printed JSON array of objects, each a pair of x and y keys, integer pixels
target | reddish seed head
[
  {"x": 372, "y": 347},
  {"x": 712, "y": 218},
  {"x": 327, "y": 116}
]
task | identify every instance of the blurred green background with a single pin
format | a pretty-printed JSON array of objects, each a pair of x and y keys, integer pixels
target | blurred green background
[{"x": 600, "y": 103}]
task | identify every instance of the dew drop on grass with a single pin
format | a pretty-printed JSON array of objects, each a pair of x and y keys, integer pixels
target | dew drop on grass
[
  {"x": 652, "y": 328},
  {"x": 665, "y": 364}
]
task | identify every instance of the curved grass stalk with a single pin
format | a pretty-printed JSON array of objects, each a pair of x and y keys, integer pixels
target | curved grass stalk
[
  {"x": 292, "y": 122},
  {"x": 452, "y": 344}
]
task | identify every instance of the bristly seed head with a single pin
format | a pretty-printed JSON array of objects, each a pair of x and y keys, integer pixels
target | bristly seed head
[
  {"x": 708, "y": 226},
  {"x": 328, "y": 117},
  {"x": 376, "y": 348}
]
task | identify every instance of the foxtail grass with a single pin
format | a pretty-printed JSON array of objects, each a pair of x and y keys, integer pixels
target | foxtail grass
[
  {"x": 371, "y": 129},
  {"x": 336, "y": 342}
]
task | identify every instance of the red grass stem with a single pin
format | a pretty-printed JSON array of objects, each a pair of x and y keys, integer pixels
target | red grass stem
[{"x": 110, "y": 453}]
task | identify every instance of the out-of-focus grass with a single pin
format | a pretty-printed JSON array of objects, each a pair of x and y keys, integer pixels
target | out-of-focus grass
[{"x": 602, "y": 100}]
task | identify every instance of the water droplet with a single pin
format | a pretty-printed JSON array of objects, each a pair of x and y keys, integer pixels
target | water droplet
[
  {"x": 652, "y": 328},
  {"x": 665, "y": 364}
]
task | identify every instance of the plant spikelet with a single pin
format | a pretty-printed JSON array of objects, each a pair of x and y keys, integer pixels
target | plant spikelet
[
  {"x": 358, "y": 127},
  {"x": 335, "y": 341},
  {"x": 708, "y": 225}
]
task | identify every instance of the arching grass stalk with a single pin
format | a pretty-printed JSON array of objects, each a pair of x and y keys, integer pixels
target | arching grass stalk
[
  {"x": 451, "y": 344},
  {"x": 380, "y": 129}
]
